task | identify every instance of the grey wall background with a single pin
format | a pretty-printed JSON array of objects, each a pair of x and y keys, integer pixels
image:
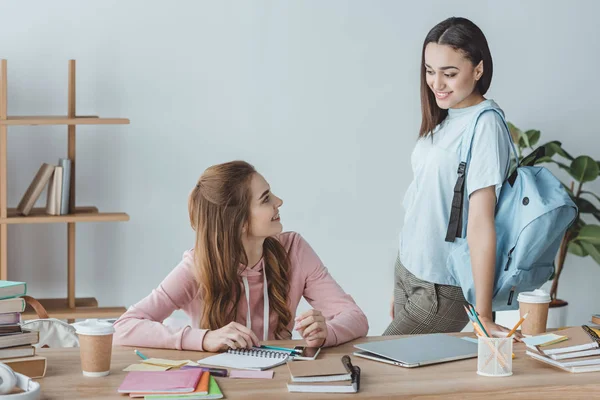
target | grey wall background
[{"x": 322, "y": 97}]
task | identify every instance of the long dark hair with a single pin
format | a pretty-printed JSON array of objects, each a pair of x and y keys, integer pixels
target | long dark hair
[
  {"x": 219, "y": 206},
  {"x": 461, "y": 34}
]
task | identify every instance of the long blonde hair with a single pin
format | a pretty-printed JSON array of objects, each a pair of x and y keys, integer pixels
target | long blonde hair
[{"x": 219, "y": 206}]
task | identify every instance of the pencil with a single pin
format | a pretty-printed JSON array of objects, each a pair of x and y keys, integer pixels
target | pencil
[
  {"x": 143, "y": 357},
  {"x": 513, "y": 330}
]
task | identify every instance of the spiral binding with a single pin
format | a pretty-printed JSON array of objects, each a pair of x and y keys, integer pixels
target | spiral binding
[{"x": 259, "y": 353}]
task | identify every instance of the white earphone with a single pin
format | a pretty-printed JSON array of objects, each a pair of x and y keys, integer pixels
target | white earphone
[{"x": 10, "y": 379}]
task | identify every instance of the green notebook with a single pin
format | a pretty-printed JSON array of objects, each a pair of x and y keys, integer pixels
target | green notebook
[
  {"x": 10, "y": 289},
  {"x": 214, "y": 392}
]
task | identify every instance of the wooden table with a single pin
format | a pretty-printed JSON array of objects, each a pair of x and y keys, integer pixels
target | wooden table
[{"x": 455, "y": 380}]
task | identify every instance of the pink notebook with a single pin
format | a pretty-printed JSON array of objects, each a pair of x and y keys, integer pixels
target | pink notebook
[{"x": 177, "y": 381}]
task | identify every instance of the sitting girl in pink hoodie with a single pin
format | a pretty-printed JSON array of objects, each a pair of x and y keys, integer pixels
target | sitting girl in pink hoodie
[{"x": 244, "y": 278}]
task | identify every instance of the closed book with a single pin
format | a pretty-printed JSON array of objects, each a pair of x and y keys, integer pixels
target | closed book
[
  {"x": 35, "y": 189},
  {"x": 580, "y": 338},
  {"x": 17, "y": 352},
  {"x": 575, "y": 365},
  {"x": 32, "y": 367},
  {"x": 10, "y": 289},
  {"x": 10, "y": 318},
  {"x": 327, "y": 370},
  {"x": 324, "y": 376},
  {"x": 13, "y": 305},
  {"x": 54, "y": 192},
  {"x": 20, "y": 339},
  {"x": 10, "y": 329},
  {"x": 322, "y": 387},
  {"x": 214, "y": 392},
  {"x": 178, "y": 381},
  {"x": 201, "y": 389},
  {"x": 65, "y": 163},
  {"x": 596, "y": 319},
  {"x": 575, "y": 354}
]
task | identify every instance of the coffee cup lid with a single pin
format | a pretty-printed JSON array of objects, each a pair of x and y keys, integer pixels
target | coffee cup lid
[
  {"x": 94, "y": 327},
  {"x": 537, "y": 296}
]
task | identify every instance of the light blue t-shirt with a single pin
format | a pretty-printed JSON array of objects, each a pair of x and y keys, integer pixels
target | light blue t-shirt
[{"x": 427, "y": 202}]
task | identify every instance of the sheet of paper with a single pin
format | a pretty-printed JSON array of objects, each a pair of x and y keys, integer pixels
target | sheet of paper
[
  {"x": 236, "y": 373},
  {"x": 165, "y": 363},
  {"x": 146, "y": 367},
  {"x": 543, "y": 339}
]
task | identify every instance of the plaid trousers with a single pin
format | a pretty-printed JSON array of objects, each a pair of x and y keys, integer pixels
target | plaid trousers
[{"x": 425, "y": 307}]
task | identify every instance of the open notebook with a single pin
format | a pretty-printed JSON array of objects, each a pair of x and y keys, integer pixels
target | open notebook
[{"x": 252, "y": 359}]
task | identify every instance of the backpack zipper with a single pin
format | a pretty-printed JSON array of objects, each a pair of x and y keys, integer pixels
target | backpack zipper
[
  {"x": 510, "y": 296},
  {"x": 509, "y": 259}
]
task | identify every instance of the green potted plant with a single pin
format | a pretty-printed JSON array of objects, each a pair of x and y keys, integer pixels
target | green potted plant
[{"x": 583, "y": 237}]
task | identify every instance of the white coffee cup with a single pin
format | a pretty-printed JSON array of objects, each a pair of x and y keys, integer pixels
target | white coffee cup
[
  {"x": 95, "y": 342},
  {"x": 535, "y": 304}
]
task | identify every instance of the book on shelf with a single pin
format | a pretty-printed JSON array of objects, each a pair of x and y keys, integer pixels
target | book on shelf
[
  {"x": 54, "y": 192},
  {"x": 65, "y": 164},
  {"x": 35, "y": 189}
]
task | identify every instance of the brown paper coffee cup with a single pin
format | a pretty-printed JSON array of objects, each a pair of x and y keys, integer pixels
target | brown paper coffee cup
[
  {"x": 535, "y": 304},
  {"x": 95, "y": 342}
]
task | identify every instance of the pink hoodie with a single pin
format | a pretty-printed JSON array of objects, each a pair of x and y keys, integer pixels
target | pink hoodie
[{"x": 142, "y": 324}]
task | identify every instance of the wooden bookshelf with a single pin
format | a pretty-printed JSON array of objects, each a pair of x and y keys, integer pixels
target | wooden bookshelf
[
  {"x": 86, "y": 307},
  {"x": 39, "y": 216},
  {"x": 70, "y": 307},
  {"x": 61, "y": 120}
]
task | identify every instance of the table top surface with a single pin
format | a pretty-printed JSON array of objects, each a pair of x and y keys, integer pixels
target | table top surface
[{"x": 457, "y": 379}]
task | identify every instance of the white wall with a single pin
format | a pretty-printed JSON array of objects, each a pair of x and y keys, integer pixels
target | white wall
[{"x": 322, "y": 97}]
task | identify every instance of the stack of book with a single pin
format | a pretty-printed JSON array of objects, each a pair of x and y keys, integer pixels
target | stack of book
[
  {"x": 57, "y": 178},
  {"x": 576, "y": 349},
  {"x": 16, "y": 344},
  {"x": 324, "y": 376}
]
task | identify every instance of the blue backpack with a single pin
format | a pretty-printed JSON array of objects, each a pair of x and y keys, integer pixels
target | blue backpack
[{"x": 532, "y": 215}]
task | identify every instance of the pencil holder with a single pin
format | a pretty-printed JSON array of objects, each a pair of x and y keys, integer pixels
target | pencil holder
[{"x": 494, "y": 356}]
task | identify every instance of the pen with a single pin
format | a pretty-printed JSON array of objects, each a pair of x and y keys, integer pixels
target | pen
[
  {"x": 278, "y": 349},
  {"x": 213, "y": 371},
  {"x": 476, "y": 316},
  {"x": 143, "y": 357}
]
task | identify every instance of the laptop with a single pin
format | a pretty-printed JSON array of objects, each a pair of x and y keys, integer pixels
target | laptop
[{"x": 418, "y": 350}]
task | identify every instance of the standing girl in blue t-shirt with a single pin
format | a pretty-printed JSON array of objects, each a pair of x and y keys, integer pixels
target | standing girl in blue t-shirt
[{"x": 456, "y": 72}]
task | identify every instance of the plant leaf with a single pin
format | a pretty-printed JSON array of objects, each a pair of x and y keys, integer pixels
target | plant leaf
[
  {"x": 577, "y": 249},
  {"x": 545, "y": 159},
  {"x": 533, "y": 136},
  {"x": 593, "y": 251},
  {"x": 523, "y": 140},
  {"x": 584, "y": 169},
  {"x": 555, "y": 147},
  {"x": 586, "y": 206},
  {"x": 589, "y": 234},
  {"x": 591, "y": 194}
]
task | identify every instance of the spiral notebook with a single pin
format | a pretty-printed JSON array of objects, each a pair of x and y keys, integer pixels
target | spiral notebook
[{"x": 253, "y": 359}]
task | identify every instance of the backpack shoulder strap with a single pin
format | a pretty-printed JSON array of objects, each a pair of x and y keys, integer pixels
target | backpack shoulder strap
[{"x": 455, "y": 223}]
